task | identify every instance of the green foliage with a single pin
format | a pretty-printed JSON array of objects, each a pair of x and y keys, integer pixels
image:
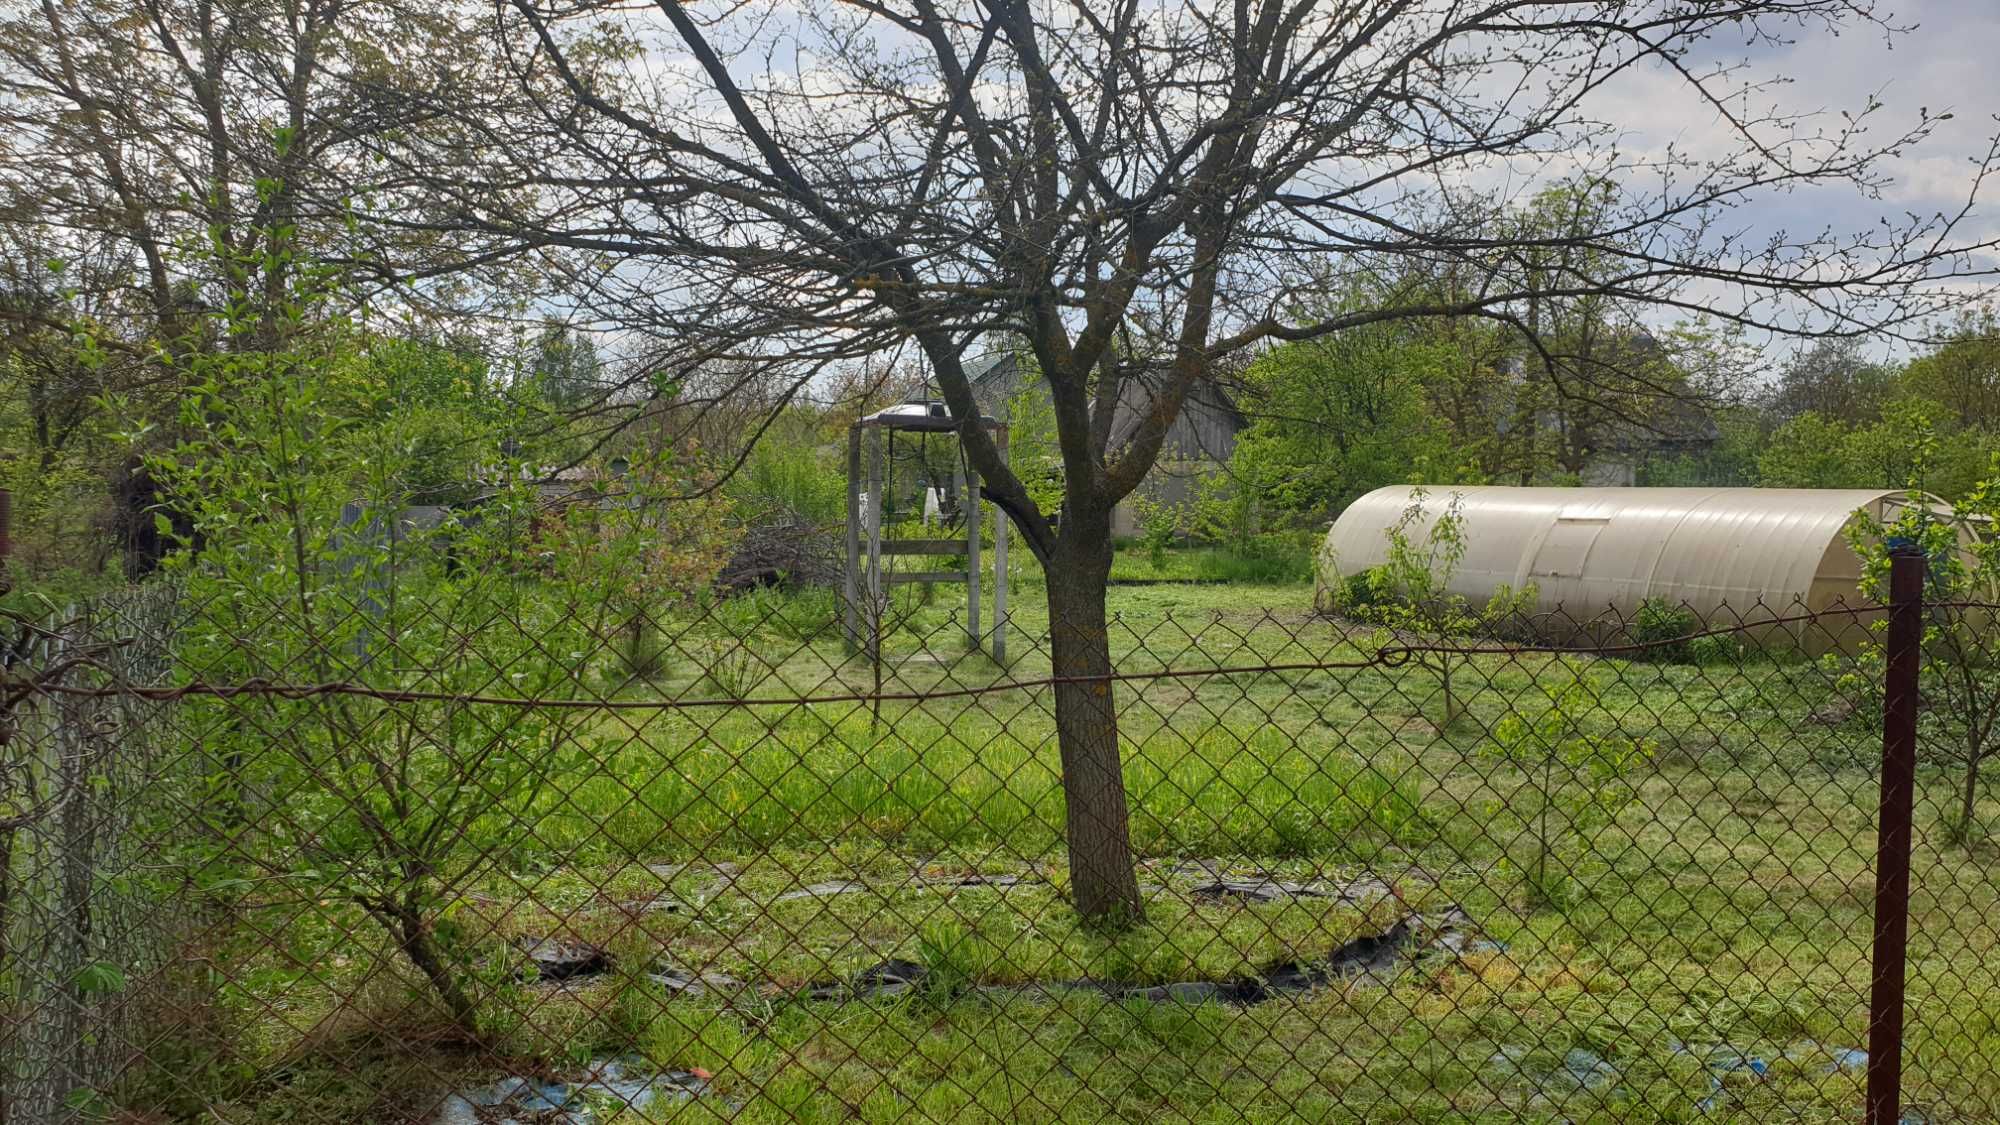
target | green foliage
[
  {"x": 298, "y": 470},
  {"x": 100, "y": 978},
  {"x": 1032, "y": 449},
  {"x": 1807, "y": 452},
  {"x": 1913, "y": 443},
  {"x": 1577, "y": 782},
  {"x": 1420, "y": 573},
  {"x": 1741, "y": 434},
  {"x": 59, "y": 448},
  {"x": 1833, "y": 378},
  {"x": 1333, "y": 418},
  {"x": 1715, "y": 649},
  {"x": 1274, "y": 558},
  {"x": 1664, "y": 627},
  {"x": 1412, "y": 590},
  {"x": 788, "y": 473},
  {"x": 731, "y": 669},
  {"x": 1963, "y": 374},
  {"x": 1456, "y": 400},
  {"x": 1271, "y": 557},
  {"x": 1960, "y": 667},
  {"x": 1357, "y": 594},
  {"x": 565, "y": 369},
  {"x": 641, "y": 653},
  {"x": 1160, "y": 525},
  {"x": 802, "y": 614}
]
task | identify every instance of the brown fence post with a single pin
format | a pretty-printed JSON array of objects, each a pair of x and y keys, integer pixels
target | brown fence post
[{"x": 1892, "y": 841}]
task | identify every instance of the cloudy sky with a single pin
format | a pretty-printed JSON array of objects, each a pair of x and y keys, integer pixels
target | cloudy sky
[
  {"x": 1944, "y": 59},
  {"x": 1949, "y": 62}
]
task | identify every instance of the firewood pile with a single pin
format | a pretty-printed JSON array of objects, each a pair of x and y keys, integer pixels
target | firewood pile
[{"x": 783, "y": 549}]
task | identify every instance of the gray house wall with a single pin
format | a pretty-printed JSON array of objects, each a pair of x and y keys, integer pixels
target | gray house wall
[{"x": 1199, "y": 443}]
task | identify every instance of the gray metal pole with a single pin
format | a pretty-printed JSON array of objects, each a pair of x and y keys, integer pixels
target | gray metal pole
[
  {"x": 968, "y": 487},
  {"x": 999, "y": 647}
]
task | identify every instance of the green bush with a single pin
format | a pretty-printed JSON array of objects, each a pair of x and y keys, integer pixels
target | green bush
[
  {"x": 1159, "y": 528},
  {"x": 1715, "y": 648},
  {"x": 1363, "y": 590},
  {"x": 795, "y": 477},
  {"x": 1271, "y": 557},
  {"x": 641, "y": 654},
  {"x": 1664, "y": 626}
]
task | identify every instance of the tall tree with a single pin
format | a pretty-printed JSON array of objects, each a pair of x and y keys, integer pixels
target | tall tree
[
  {"x": 1834, "y": 379},
  {"x": 214, "y": 141},
  {"x": 567, "y": 370},
  {"x": 1963, "y": 373},
  {"x": 1136, "y": 191},
  {"x": 1596, "y": 379},
  {"x": 183, "y": 157}
]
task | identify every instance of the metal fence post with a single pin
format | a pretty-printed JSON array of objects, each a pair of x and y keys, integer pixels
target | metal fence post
[{"x": 1892, "y": 841}]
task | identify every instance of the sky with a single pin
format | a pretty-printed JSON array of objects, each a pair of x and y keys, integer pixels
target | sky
[
  {"x": 1949, "y": 63},
  {"x": 1945, "y": 59}
]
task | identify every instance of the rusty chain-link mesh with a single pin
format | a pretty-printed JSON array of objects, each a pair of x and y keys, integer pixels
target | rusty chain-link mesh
[{"x": 719, "y": 866}]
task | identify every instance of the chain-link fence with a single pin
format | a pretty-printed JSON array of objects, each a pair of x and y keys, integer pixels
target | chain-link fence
[
  {"x": 463, "y": 860},
  {"x": 81, "y": 907}
]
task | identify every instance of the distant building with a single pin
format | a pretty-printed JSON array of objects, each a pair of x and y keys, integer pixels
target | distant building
[
  {"x": 1198, "y": 444},
  {"x": 1622, "y": 451},
  {"x": 556, "y": 486}
]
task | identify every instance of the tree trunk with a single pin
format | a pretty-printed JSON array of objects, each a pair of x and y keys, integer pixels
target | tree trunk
[
  {"x": 1100, "y": 841},
  {"x": 406, "y": 924},
  {"x": 1969, "y": 806}
]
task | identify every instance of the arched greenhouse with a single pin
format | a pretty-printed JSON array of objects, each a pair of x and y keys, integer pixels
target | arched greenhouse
[{"x": 1728, "y": 554}]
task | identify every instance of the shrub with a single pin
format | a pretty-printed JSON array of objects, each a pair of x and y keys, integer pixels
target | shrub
[
  {"x": 1960, "y": 669},
  {"x": 796, "y": 478},
  {"x": 1664, "y": 627},
  {"x": 389, "y": 809},
  {"x": 1359, "y": 593},
  {"x": 1159, "y": 527},
  {"x": 641, "y": 653},
  {"x": 1577, "y": 782},
  {"x": 1715, "y": 648},
  {"x": 1271, "y": 557},
  {"x": 731, "y": 668}
]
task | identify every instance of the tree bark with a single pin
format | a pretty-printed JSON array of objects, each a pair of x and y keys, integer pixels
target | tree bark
[
  {"x": 406, "y": 924},
  {"x": 1969, "y": 798},
  {"x": 1102, "y": 880}
]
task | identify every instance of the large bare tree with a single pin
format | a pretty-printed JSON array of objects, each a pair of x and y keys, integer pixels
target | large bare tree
[{"x": 1135, "y": 191}]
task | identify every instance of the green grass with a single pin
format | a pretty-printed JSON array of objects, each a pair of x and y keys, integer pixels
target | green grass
[
  {"x": 1728, "y": 903},
  {"x": 1268, "y": 559}
]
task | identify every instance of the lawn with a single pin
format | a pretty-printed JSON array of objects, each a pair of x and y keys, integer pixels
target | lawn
[{"x": 1706, "y": 906}]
